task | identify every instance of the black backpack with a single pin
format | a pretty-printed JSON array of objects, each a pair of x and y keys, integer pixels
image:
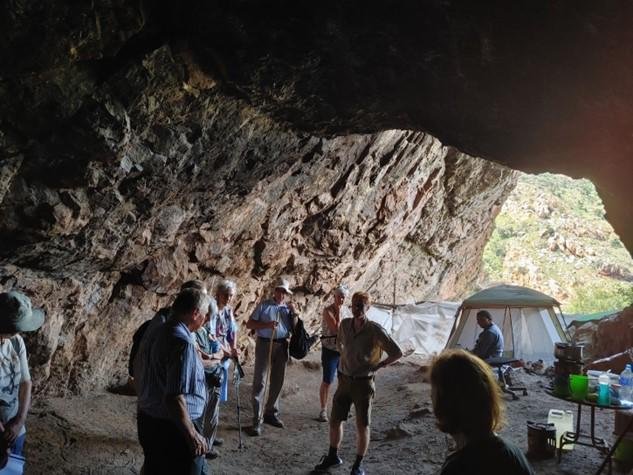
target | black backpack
[
  {"x": 300, "y": 341},
  {"x": 136, "y": 345}
]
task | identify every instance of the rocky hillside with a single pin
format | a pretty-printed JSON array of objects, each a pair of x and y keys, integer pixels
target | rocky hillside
[{"x": 552, "y": 235}]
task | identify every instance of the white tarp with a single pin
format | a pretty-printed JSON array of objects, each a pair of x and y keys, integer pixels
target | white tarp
[{"x": 422, "y": 327}]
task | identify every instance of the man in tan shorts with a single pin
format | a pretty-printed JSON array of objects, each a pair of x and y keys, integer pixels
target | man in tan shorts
[{"x": 360, "y": 343}]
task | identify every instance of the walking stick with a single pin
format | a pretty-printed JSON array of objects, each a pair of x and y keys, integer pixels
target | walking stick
[
  {"x": 238, "y": 374},
  {"x": 269, "y": 372}
]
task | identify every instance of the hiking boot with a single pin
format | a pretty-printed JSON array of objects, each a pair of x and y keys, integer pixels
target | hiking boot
[
  {"x": 255, "y": 430},
  {"x": 323, "y": 416},
  {"x": 274, "y": 421},
  {"x": 357, "y": 471},
  {"x": 328, "y": 462},
  {"x": 212, "y": 454},
  {"x": 218, "y": 441}
]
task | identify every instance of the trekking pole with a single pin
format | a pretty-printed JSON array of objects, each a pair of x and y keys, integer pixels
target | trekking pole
[
  {"x": 270, "y": 369},
  {"x": 269, "y": 373},
  {"x": 238, "y": 374}
]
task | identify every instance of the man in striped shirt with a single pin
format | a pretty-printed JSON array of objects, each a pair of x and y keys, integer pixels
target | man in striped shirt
[{"x": 173, "y": 394}]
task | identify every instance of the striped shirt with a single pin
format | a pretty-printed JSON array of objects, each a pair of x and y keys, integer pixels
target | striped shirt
[
  {"x": 172, "y": 368},
  {"x": 269, "y": 311}
]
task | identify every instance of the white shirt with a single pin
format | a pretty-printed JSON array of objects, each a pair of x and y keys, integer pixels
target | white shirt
[{"x": 14, "y": 369}]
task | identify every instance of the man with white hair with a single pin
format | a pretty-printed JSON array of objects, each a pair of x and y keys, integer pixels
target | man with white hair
[
  {"x": 273, "y": 320},
  {"x": 222, "y": 325},
  {"x": 218, "y": 337}
]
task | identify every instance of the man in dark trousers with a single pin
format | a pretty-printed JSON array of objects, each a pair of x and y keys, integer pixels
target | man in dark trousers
[
  {"x": 173, "y": 392},
  {"x": 490, "y": 341},
  {"x": 361, "y": 343}
]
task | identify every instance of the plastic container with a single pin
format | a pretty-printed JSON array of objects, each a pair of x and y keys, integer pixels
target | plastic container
[
  {"x": 613, "y": 378},
  {"x": 626, "y": 384},
  {"x": 564, "y": 422},
  {"x": 604, "y": 396},
  {"x": 15, "y": 465},
  {"x": 578, "y": 384}
]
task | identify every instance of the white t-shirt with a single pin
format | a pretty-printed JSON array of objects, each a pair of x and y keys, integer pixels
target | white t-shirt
[{"x": 14, "y": 369}]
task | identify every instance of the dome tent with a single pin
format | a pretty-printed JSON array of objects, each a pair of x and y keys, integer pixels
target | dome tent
[{"x": 527, "y": 318}]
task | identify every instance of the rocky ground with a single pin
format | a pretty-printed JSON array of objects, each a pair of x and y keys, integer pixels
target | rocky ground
[{"x": 96, "y": 434}]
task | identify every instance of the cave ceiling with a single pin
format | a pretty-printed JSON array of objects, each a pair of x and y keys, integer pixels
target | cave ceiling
[{"x": 536, "y": 85}]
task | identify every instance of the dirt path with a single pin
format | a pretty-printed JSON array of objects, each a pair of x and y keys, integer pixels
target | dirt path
[{"x": 97, "y": 434}]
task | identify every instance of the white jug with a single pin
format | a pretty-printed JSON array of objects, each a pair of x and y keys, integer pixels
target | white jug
[{"x": 564, "y": 422}]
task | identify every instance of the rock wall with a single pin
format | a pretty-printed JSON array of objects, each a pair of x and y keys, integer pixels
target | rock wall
[
  {"x": 157, "y": 175},
  {"x": 607, "y": 337}
]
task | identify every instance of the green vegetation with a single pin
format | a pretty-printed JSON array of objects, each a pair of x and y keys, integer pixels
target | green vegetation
[
  {"x": 552, "y": 235},
  {"x": 604, "y": 297}
]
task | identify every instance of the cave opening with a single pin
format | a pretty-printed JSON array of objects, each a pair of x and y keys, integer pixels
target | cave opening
[{"x": 552, "y": 235}]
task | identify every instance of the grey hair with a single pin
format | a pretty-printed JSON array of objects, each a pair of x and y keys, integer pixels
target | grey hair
[
  {"x": 226, "y": 286},
  {"x": 342, "y": 290},
  {"x": 189, "y": 300}
]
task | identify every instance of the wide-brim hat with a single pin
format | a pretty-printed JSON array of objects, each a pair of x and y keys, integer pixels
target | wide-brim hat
[
  {"x": 17, "y": 314},
  {"x": 284, "y": 285}
]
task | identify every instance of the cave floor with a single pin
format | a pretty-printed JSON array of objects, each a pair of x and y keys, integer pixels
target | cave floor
[{"x": 97, "y": 434}]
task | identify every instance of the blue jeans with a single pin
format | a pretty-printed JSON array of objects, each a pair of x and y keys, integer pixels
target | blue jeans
[
  {"x": 18, "y": 445},
  {"x": 329, "y": 361}
]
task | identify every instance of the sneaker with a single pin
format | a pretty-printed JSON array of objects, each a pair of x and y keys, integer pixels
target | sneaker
[
  {"x": 328, "y": 462},
  {"x": 323, "y": 416},
  {"x": 212, "y": 454},
  {"x": 357, "y": 471},
  {"x": 274, "y": 421},
  {"x": 255, "y": 430},
  {"x": 218, "y": 441}
]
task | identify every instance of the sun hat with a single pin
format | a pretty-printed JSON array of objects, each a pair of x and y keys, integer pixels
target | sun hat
[
  {"x": 17, "y": 314},
  {"x": 342, "y": 290},
  {"x": 283, "y": 284}
]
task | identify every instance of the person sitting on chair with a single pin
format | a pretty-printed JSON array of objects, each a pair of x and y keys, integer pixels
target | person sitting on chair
[{"x": 490, "y": 341}]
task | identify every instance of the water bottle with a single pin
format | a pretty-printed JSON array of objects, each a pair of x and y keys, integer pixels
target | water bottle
[
  {"x": 626, "y": 384},
  {"x": 604, "y": 398}
]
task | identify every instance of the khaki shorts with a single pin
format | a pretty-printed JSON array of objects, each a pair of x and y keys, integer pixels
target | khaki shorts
[{"x": 359, "y": 392}]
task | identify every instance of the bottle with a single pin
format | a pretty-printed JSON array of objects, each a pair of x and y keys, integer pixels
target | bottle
[
  {"x": 626, "y": 384},
  {"x": 604, "y": 398}
]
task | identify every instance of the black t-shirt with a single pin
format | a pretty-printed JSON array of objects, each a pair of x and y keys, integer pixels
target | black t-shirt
[{"x": 489, "y": 456}]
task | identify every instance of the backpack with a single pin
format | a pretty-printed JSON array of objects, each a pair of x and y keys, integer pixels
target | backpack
[
  {"x": 136, "y": 345},
  {"x": 300, "y": 341}
]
